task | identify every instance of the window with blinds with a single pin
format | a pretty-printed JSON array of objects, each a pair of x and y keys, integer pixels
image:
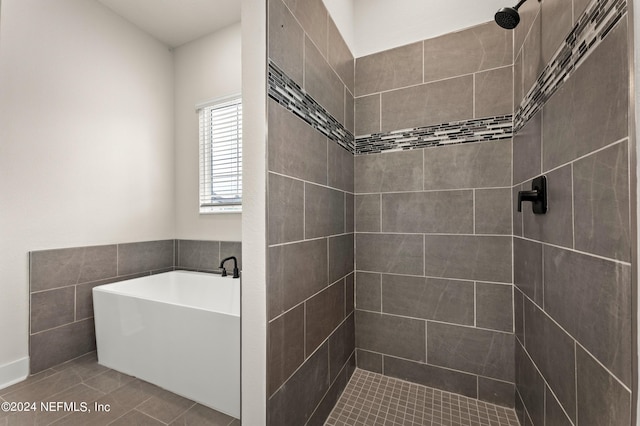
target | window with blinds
[{"x": 221, "y": 156}]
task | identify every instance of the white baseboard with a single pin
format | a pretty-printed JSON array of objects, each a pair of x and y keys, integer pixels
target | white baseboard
[{"x": 14, "y": 372}]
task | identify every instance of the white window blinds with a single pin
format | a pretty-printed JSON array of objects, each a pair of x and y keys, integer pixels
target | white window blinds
[{"x": 221, "y": 156}]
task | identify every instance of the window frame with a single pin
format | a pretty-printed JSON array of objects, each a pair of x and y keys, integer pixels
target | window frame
[{"x": 206, "y": 168}]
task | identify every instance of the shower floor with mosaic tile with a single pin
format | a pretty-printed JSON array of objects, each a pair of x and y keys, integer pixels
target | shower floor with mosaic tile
[{"x": 373, "y": 399}]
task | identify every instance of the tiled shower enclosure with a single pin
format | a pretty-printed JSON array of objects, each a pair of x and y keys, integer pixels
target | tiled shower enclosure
[{"x": 416, "y": 155}]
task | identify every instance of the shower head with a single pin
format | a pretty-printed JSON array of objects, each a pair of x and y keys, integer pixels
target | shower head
[{"x": 508, "y": 17}]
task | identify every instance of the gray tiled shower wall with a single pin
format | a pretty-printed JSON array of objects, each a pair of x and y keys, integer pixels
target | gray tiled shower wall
[
  {"x": 434, "y": 292},
  {"x": 61, "y": 280},
  {"x": 573, "y": 266},
  {"x": 310, "y": 279}
]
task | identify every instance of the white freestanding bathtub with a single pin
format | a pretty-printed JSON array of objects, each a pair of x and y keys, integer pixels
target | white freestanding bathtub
[{"x": 178, "y": 330}]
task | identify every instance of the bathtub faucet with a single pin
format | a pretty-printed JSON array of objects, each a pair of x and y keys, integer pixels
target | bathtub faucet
[{"x": 236, "y": 273}]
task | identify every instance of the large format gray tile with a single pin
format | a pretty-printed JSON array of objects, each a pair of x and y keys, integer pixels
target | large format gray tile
[
  {"x": 322, "y": 82},
  {"x": 518, "y": 314},
  {"x": 496, "y": 392},
  {"x": 200, "y": 255},
  {"x": 553, "y": 352},
  {"x": 367, "y": 115},
  {"x": 286, "y": 209},
  {"x": 349, "y": 213},
  {"x": 528, "y": 11},
  {"x": 368, "y": 291},
  {"x": 555, "y": 226},
  {"x": 486, "y": 353},
  {"x": 482, "y": 47},
  {"x": 312, "y": 15},
  {"x": 108, "y": 381},
  {"x": 601, "y": 198},
  {"x": 527, "y": 268},
  {"x": 485, "y": 258},
  {"x": 295, "y": 148},
  {"x": 392, "y": 253},
  {"x": 349, "y": 112},
  {"x": 85, "y": 366},
  {"x": 469, "y": 165},
  {"x": 391, "y": 69},
  {"x": 389, "y": 171},
  {"x": 341, "y": 257},
  {"x": 428, "y": 104},
  {"x": 135, "y": 417},
  {"x": 388, "y": 334},
  {"x": 368, "y": 210},
  {"x": 323, "y": 211},
  {"x": 296, "y": 272},
  {"x": 556, "y": 20},
  {"x": 553, "y": 413},
  {"x": 165, "y": 406},
  {"x": 449, "y": 212},
  {"x": 62, "y": 267},
  {"x": 369, "y": 361},
  {"x": 530, "y": 385},
  {"x": 493, "y": 211},
  {"x": 587, "y": 114},
  {"x": 494, "y": 92},
  {"x": 517, "y": 83},
  {"x": 319, "y": 417},
  {"x": 285, "y": 347},
  {"x": 296, "y": 400},
  {"x": 591, "y": 298},
  {"x": 350, "y": 293},
  {"x": 145, "y": 256},
  {"x": 51, "y": 347},
  {"x": 200, "y": 415},
  {"x": 527, "y": 150},
  {"x": 532, "y": 62},
  {"x": 340, "y": 167},
  {"x": 342, "y": 344},
  {"x": 428, "y": 298},
  {"x": 231, "y": 248},
  {"x": 46, "y": 388},
  {"x": 52, "y": 308},
  {"x": 323, "y": 313},
  {"x": 494, "y": 306},
  {"x": 601, "y": 399},
  {"x": 429, "y": 375},
  {"x": 340, "y": 57},
  {"x": 286, "y": 41}
]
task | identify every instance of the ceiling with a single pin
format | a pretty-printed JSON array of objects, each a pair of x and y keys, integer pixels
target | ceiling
[{"x": 176, "y": 22}]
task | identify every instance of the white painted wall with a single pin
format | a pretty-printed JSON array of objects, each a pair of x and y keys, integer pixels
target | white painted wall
[
  {"x": 205, "y": 69},
  {"x": 86, "y": 141},
  {"x": 370, "y": 26},
  {"x": 254, "y": 243}
]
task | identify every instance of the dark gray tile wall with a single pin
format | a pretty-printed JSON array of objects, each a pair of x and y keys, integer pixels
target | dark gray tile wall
[
  {"x": 432, "y": 81},
  {"x": 434, "y": 292},
  {"x": 572, "y": 267},
  {"x": 61, "y": 280},
  {"x": 310, "y": 220}
]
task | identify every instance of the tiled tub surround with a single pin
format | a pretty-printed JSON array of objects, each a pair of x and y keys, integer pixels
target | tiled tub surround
[
  {"x": 61, "y": 280},
  {"x": 573, "y": 266},
  {"x": 310, "y": 279}
]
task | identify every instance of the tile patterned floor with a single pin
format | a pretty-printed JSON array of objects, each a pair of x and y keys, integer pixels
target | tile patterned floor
[
  {"x": 371, "y": 399},
  {"x": 131, "y": 401}
]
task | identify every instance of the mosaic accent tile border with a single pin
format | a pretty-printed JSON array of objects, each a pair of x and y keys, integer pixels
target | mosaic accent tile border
[
  {"x": 477, "y": 130},
  {"x": 287, "y": 93},
  {"x": 600, "y": 17},
  {"x": 373, "y": 399}
]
